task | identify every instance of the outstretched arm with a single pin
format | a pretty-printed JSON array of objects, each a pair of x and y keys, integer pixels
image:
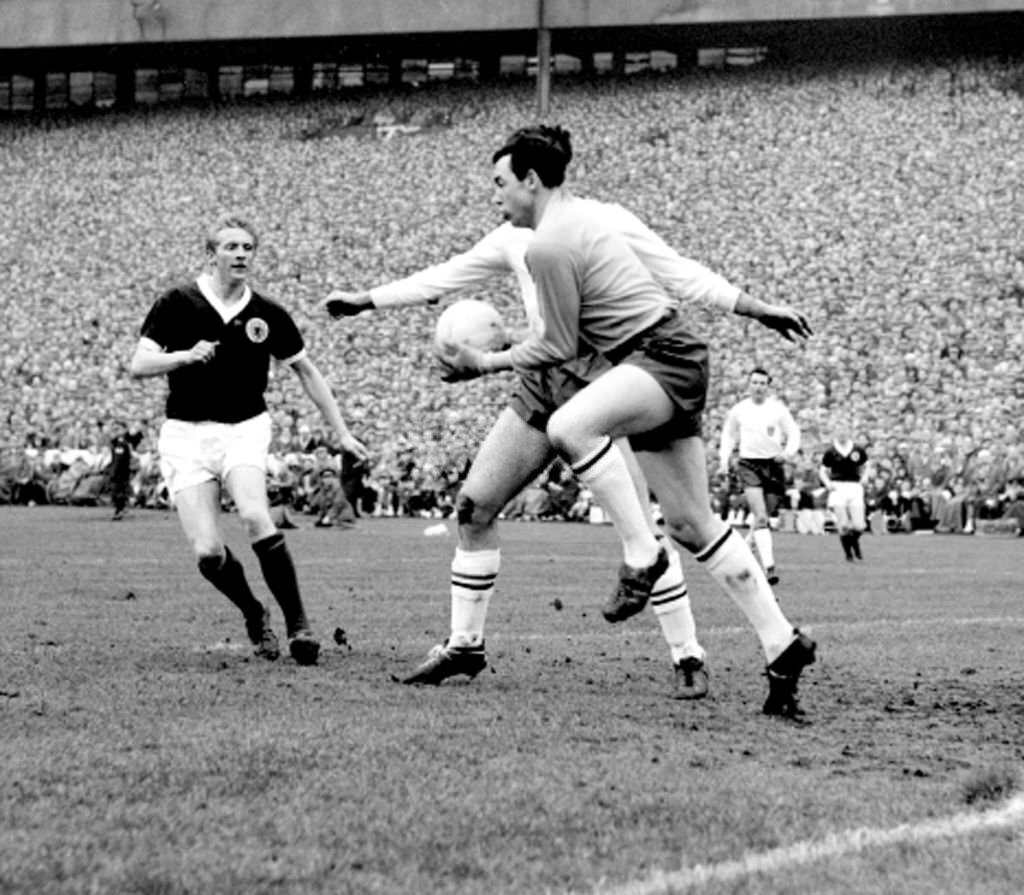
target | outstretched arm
[
  {"x": 691, "y": 281},
  {"x": 786, "y": 321},
  {"x": 314, "y": 385},
  {"x": 469, "y": 268}
]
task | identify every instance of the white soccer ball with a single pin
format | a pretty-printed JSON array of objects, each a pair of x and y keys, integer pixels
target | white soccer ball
[{"x": 473, "y": 322}]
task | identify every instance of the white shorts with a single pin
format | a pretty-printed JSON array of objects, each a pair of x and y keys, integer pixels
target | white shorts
[
  {"x": 848, "y": 498},
  {"x": 193, "y": 453}
]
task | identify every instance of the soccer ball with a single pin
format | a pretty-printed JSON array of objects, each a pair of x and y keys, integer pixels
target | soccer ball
[{"x": 472, "y": 322}]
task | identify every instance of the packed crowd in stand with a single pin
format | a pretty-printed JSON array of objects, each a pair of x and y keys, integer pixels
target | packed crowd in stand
[{"x": 881, "y": 198}]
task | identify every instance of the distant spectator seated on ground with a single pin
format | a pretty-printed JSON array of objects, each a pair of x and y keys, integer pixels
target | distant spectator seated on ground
[
  {"x": 329, "y": 504},
  {"x": 954, "y": 511}
]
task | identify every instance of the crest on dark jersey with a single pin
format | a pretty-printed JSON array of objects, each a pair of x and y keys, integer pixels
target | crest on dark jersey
[{"x": 257, "y": 330}]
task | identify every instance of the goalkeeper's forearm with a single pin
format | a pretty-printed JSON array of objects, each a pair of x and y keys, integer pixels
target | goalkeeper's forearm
[{"x": 748, "y": 306}]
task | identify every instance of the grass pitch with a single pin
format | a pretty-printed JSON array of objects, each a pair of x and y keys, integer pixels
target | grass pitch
[{"x": 146, "y": 751}]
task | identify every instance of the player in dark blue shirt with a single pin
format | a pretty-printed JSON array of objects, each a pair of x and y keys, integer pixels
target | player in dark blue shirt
[
  {"x": 842, "y": 472},
  {"x": 122, "y": 448},
  {"x": 214, "y": 339}
]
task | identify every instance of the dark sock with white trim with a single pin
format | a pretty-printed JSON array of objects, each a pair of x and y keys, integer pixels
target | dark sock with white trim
[
  {"x": 279, "y": 573},
  {"x": 227, "y": 575}
]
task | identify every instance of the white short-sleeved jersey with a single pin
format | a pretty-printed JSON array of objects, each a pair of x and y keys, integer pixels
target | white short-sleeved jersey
[{"x": 762, "y": 431}]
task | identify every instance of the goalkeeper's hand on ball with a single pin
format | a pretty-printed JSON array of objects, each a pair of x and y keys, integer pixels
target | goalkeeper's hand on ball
[{"x": 459, "y": 362}]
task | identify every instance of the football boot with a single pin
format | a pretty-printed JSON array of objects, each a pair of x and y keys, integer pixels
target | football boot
[
  {"x": 784, "y": 675},
  {"x": 691, "y": 679},
  {"x": 262, "y": 635},
  {"x": 444, "y": 661},
  {"x": 634, "y": 589},
  {"x": 304, "y": 647}
]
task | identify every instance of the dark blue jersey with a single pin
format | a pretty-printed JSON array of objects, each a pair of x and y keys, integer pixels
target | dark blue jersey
[
  {"x": 230, "y": 387},
  {"x": 844, "y": 467},
  {"x": 121, "y": 458}
]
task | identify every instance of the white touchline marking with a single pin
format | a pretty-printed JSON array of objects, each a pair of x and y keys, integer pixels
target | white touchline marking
[
  {"x": 619, "y": 634},
  {"x": 831, "y": 846}
]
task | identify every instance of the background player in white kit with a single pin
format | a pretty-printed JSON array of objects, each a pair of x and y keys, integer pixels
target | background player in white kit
[
  {"x": 767, "y": 436},
  {"x": 214, "y": 339},
  {"x": 843, "y": 468}
]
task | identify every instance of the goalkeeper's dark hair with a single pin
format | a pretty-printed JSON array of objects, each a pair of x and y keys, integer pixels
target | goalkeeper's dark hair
[{"x": 541, "y": 148}]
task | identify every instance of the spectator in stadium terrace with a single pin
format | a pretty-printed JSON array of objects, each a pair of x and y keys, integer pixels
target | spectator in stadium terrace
[
  {"x": 768, "y": 437},
  {"x": 843, "y": 470},
  {"x": 214, "y": 338},
  {"x": 809, "y": 494},
  {"x": 936, "y": 290},
  {"x": 593, "y": 289}
]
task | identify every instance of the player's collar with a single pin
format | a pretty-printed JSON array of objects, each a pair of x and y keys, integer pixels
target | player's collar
[{"x": 227, "y": 312}]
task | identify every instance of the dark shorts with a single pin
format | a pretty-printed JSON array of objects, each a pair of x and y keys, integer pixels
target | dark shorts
[
  {"x": 678, "y": 361},
  {"x": 540, "y": 393},
  {"x": 768, "y": 475}
]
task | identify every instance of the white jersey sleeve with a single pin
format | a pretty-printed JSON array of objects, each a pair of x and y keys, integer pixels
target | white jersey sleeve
[
  {"x": 470, "y": 268},
  {"x": 790, "y": 430},
  {"x": 682, "y": 277}
]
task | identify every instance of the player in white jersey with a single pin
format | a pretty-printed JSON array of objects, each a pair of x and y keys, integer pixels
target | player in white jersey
[
  {"x": 214, "y": 339},
  {"x": 767, "y": 436},
  {"x": 518, "y": 447},
  {"x": 594, "y": 291},
  {"x": 843, "y": 469}
]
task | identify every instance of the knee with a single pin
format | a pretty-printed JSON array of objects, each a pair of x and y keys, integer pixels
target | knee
[
  {"x": 564, "y": 432},
  {"x": 256, "y": 521},
  {"x": 209, "y": 557},
  {"x": 558, "y": 431},
  {"x": 470, "y": 513}
]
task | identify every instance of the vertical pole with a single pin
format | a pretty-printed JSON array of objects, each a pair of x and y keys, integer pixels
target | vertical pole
[
  {"x": 124, "y": 85},
  {"x": 39, "y": 91},
  {"x": 543, "y": 63}
]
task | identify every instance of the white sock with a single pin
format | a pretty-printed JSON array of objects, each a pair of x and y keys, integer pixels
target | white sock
[
  {"x": 729, "y": 561},
  {"x": 763, "y": 540},
  {"x": 671, "y": 603},
  {"x": 605, "y": 473},
  {"x": 473, "y": 577}
]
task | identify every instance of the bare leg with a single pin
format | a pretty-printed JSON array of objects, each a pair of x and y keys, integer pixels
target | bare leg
[
  {"x": 247, "y": 486},
  {"x": 512, "y": 455},
  {"x": 679, "y": 478},
  {"x": 198, "y": 510}
]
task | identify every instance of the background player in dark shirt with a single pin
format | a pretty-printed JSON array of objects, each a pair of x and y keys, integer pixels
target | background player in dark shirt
[
  {"x": 122, "y": 447},
  {"x": 842, "y": 472},
  {"x": 214, "y": 339}
]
